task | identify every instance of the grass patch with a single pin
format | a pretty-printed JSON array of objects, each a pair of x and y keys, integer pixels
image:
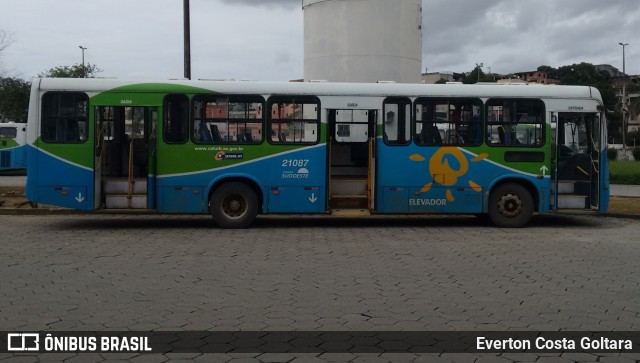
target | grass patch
[{"x": 624, "y": 172}]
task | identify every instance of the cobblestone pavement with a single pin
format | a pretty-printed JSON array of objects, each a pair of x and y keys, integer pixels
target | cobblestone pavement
[{"x": 105, "y": 272}]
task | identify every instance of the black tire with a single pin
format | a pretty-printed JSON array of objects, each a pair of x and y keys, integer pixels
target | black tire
[
  {"x": 510, "y": 206},
  {"x": 234, "y": 205}
]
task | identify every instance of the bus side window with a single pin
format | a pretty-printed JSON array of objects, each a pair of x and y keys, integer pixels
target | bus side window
[
  {"x": 221, "y": 119},
  {"x": 515, "y": 122},
  {"x": 448, "y": 121},
  {"x": 397, "y": 121},
  {"x": 8, "y": 132},
  {"x": 64, "y": 117},
  {"x": 176, "y": 119},
  {"x": 294, "y": 120}
]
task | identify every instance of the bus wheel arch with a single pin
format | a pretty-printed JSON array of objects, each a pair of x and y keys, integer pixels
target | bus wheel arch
[
  {"x": 512, "y": 202},
  {"x": 235, "y": 202}
]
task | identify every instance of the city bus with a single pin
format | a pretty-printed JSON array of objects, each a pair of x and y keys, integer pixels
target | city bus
[
  {"x": 13, "y": 146},
  {"x": 236, "y": 149}
]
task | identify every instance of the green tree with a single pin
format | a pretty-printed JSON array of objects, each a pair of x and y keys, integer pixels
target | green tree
[
  {"x": 586, "y": 74},
  {"x": 473, "y": 76},
  {"x": 583, "y": 74},
  {"x": 14, "y": 99},
  {"x": 614, "y": 127},
  {"x": 74, "y": 71},
  {"x": 551, "y": 72}
]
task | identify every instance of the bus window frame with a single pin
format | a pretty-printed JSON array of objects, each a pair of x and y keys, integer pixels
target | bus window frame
[
  {"x": 165, "y": 109},
  {"x": 488, "y": 123},
  {"x": 293, "y": 99},
  {"x": 43, "y": 116},
  {"x": 231, "y": 98},
  {"x": 11, "y": 135},
  {"x": 475, "y": 101},
  {"x": 405, "y": 101}
]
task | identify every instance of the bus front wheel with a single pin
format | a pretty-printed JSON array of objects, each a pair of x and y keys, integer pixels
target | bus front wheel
[
  {"x": 510, "y": 206},
  {"x": 234, "y": 205}
]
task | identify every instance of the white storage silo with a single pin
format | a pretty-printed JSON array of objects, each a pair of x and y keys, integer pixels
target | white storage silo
[{"x": 363, "y": 40}]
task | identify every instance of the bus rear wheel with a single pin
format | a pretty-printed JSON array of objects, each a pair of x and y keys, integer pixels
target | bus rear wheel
[
  {"x": 510, "y": 206},
  {"x": 234, "y": 205}
]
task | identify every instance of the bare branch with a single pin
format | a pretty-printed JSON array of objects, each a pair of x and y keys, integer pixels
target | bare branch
[{"x": 6, "y": 39}]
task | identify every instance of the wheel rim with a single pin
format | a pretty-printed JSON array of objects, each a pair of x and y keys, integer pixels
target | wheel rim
[
  {"x": 510, "y": 205},
  {"x": 234, "y": 206}
]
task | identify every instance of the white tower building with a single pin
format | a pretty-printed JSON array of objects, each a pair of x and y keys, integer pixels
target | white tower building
[{"x": 363, "y": 40}]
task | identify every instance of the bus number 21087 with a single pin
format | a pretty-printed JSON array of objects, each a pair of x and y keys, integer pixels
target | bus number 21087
[{"x": 296, "y": 163}]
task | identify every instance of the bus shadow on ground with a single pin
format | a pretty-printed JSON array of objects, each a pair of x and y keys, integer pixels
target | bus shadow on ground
[
  {"x": 432, "y": 221},
  {"x": 296, "y": 222}
]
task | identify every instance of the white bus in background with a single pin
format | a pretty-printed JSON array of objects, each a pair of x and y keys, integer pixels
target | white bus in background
[{"x": 13, "y": 146}]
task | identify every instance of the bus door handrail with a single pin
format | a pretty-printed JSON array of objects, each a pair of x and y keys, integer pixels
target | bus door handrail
[
  {"x": 370, "y": 174},
  {"x": 130, "y": 176},
  {"x": 330, "y": 177},
  {"x": 101, "y": 158}
]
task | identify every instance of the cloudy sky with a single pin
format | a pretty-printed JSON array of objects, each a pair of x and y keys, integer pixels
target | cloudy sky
[{"x": 263, "y": 39}]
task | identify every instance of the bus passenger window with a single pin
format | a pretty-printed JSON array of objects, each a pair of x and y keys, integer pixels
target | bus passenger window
[
  {"x": 397, "y": 121},
  {"x": 64, "y": 117},
  {"x": 515, "y": 122},
  {"x": 176, "y": 119},
  {"x": 294, "y": 120},
  {"x": 448, "y": 121},
  {"x": 227, "y": 120},
  {"x": 8, "y": 132}
]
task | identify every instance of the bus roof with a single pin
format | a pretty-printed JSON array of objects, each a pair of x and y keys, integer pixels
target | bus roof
[{"x": 322, "y": 88}]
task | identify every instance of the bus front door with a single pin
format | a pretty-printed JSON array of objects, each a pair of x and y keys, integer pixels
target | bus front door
[
  {"x": 124, "y": 157},
  {"x": 577, "y": 175},
  {"x": 351, "y": 161}
]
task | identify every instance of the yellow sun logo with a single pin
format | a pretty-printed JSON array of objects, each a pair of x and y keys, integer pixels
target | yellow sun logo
[{"x": 442, "y": 173}]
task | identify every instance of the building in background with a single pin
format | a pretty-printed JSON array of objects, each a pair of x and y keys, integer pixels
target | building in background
[
  {"x": 627, "y": 85},
  {"x": 536, "y": 77},
  {"x": 612, "y": 71},
  {"x": 363, "y": 40},
  {"x": 442, "y": 77}
]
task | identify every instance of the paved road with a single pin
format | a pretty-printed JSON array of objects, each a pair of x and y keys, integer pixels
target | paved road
[{"x": 83, "y": 272}]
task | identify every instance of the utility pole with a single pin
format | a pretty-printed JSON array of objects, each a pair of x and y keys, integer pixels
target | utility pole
[
  {"x": 624, "y": 103},
  {"x": 84, "y": 70},
  {"x": 187, "y": 40},
  {"x": 479, "y": 67}
]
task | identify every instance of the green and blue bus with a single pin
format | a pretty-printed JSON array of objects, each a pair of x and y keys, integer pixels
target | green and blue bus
[
  {"x": 238, "y": 149},
  {"x": 13, "y": 146}
]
